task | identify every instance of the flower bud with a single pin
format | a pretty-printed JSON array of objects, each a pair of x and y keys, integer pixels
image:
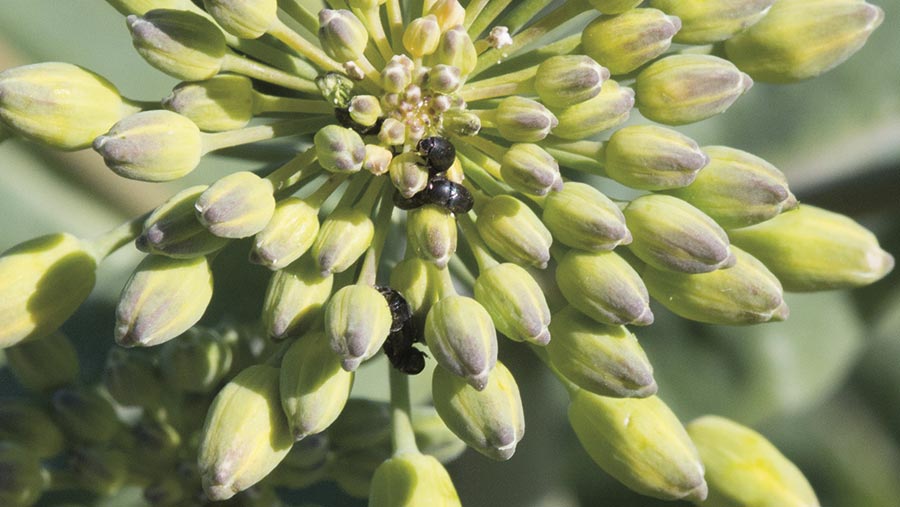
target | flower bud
[
  {"x": 378, "y": 159},
  {"x": 513, "y": 231},
  {"x": 397, "y": 74},
  {"x": 392, "y": 133},
  {"x": 130, "y": 378},
  {"x": 357, "y": 321},
  {"x": 314, "y": 387},
  {"x": 365, "y": 109},
  {"x": 223, "y": 102},
  {"x": 353, "y": 470},
  {"x": 449, "y": 13},
  {"x": 245, "y": 435},
  {"x": 84, "y": 415},
  {"x": 237, "y": 205},
  {"x": 102, "y": 471},
  {"x": 641, "y": 443},
  {"x": 565, "y": 80},
  {"x": 524, "y": 120},
  {"x": 737, "y": 189},
  {"x": 604, "y": 287},
  {"x": 60, "y": 104},
  {"x": 708, "y": 22},
  {"x": 42, "y": 282},
  {"x": 422, "y": 36},
  {"x": 529, "y": 169},
  {"x": 408, "y": 174},
  {"x": 611, "y": 107},
  {"x": 362, "y": 423},
  {"x": 581, "y": 217},
  {"x": 26, "y": 424},
  {"x": 23, "y": 479},
  {"x": 461, "y": 336},
  {"x": 433, "y": 436},
  {"x": 410, "y": 479},
  {"x": 196, "y": 362},
  {"x": 344, "y": 236},
  {"x": 626, "y": 41},
  {"x": 335, "y": 88},
  {"x": 457, "y": 49},
  {"x": 431, "y": 233},
  {"x": 614, "y": 6},
  {"x": 174, "y": 231},
  {"x": 339, "y": 149},
  {"x": 800, "y": 39},
  {"x": 410, "y": 278},
  {"x": 162, "y": 299},
  {"x": 687, "y": 88},
  {"x": 605, "y": 360},
  {"x": 671, "y": 234},
  {"x": 288, "y": 234},
  {"x": 444, "y": 78},
  {"x": 650, "y": 157},
  {"x": 515, "y": 302},
  {"x": 342, "y": 35},
  {"x": 247, "y": 19},
  {"x": 44, "y": 364},
  {"x": 812, "y": 249},
  {"x": 183, "y": 44},
  {"x": 295, "y": 296},
  {"x": 746, "y": 293},
  {"x": 491, "y": 420}
]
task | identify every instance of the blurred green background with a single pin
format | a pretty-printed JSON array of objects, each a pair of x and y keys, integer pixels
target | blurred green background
[{"x": 823, "y": 386}]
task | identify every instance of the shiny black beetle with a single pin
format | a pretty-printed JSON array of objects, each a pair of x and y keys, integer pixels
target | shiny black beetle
[
  {"x": 442, "y": 192},
  {"x": 399, "y": 347},
  {"x": 438, "y": 152}
]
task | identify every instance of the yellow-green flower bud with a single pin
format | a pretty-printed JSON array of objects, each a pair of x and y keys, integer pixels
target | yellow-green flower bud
[
  {"x": 410, "y": 479},
  {"x": 651, "y": 157},
  {"x": 524, "y": 120},
  {"x": 461, "y": 336},
  {"x": 582, "y": 217},
  {"x": 812, "y": 249},
  {"x": 738, "y": 189},
  {"x": 605, "y": 360},
  {"x": 687, "y": 88},
  {"x": 343, "y": 36},
  {"x": 42, "y": 282},
  {"x": 378, "y": 159},
  {"x": 247, "y": 19},
  {"x": 603, "y": 286},
  {"x": 422, "y": 36},
  {"x": 162, "y": 299},
  {"x": 449, "y": 13},
  {"x": 529, "y": 169},
  {"x": 457, "y": 49},
  {"x": 746, "y": 293},
  {"x": 131, "y": 379},
  {"x": 431, "y": 233},
  {"x": 245, "y": 435},
  {"x": 611, "y": 107},
  {"x": 174, "y": 231},
  {"x": 223, "y": 102},
  {"x": 640, "y": 442},
  {"x": 84, "y": 414},
  {"x": 237, "y": 205},
  {"x": 671, "y": 234},
  {"x": 335, "y": 88},
  {"x": 44, "y": 364},
  {"x": 365, "y": 109},
  {"x": 357, "y": 321},
  {"x": 614, "y": 6},
  {"x": 60, "y": 104},
  {"x": 23, "y": 479},
  {"x": 433, "y": 436},
  {"x": 182, "y": 44},
  {"x": 102, "y": 471},
  {"x": 296, "y": 294},
  {"x": 708, "y": 21},
  {"x": 408, "y": 173},
  {"x": 515, "y": 303},
  {"x": 26, "y": 424},
  {"x": 314, "y": 387},
  {"x": 514, "y": 232},
  {"x": 397, "y": 74},
  {"x": 444, "y": 78},
  {"x": 800, "y": 39},
  {"x": 339, "y": 149},
  {"x": 626, "y": 41},
  {"x": 410, "y": 278},
  {"x": 151, "y": 146},
  {"x": 196, "y": 362},
  {"x": 344, "y": 236},
  {"x": 392, "y": 133},
  {"x": 288, "y": 235},
  {"x": 565, "y": 80}
]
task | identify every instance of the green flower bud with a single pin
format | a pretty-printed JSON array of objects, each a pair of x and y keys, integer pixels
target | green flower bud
[
  {"x": 223, "y": 102},
  {"x": 174, "y": 231},
  {"x": 811, "y": 249},
  {"x": 99, "y": 470},
  {"x": 523, "y": 120},
  {"x": 151, "y": 146},
  {"x": 457, "y": 50},
  {"x": 288, "y": 235},
  {"x": 650, "y": 157},
  {"x": 611, "y": 107},
  {"x": 314, "y": 387},
  {"x": 182, "y": 44},
  {"x": 614, "y": 6},
  {"x": 42, "y": 282},
  {"x": 196, "y": 362},
  {"x": 708, "y": 21},
  {"x": 237, "y": 205},
  {"x": 687, "y": 88},
  {"x": 564, "y": 80},
  {"x": 344, "y": 236},
  {"x": 357, "y": 321},
  {"x": 397, "y": 74},
  {"x": 304, "y": 465},
  {"x": 743, "y": 468},
  {"x": 626, "y": 41},
  {"x": 60, "y": 104},
  {"x": 746, "y": 293},
  {"x": 515, "y": 302},
  {"x": 363, "y": 423},
  {"x": 408, "y": 174},
  {"x": 737, "y": 189},
  {"x": 339, "y": 149},
  {"x": 605, "y": 360},
  {"x": 162, "y": 299},
  {"x": 131, "y": 379},
  {"x": 444, "y": 78},
  {"x": 295, "y": 296},
  {"x": 431, "y": 233},
  {"x": 604, "y": 287},
  {"x": 44, "y": 364},
  {"x": 449, "y": 13},
  {"x": 84, "y": 415},
  {"x": 336, "y": 89},
  {"x": 410, "y": 278},
  {"x": 247, "y": 19},
  {"x": 365, "y": 109},
  {"x": 490, "y": 420},
  {"x": 799, "y": 39},
  {"x": 411, "y": 479},
  {"x": 671, "y": 234},
  {"x": 343, "y": 36},
  {"x": 461, "y": 336},
  {"x": 433, "y": 436},
  {"x": 392, "y": 133},
  {"x": 23, "y": 480},
  {"x": 245, "y": 435},
  {"x": 514, "y": 232},
  {"x": 640, "y": 442},
  {"x": 422, "y": 36},
  {"x": 26, "y": 424},
  {"x": 529, "y": 169},
  {"x": 157, "y": 443},
  {"x": 581, "y": 217},
  {"x": 378, "y": 159}
]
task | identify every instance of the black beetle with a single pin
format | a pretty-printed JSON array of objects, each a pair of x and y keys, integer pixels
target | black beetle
[
  {"x": 442, "y": 192},
  {"x": 438, "y": 152},
  {"x": 399, "y": 347}
]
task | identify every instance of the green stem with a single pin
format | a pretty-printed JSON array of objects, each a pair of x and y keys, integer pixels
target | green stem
[
  {"x": 367, "y": 201},
  {"x": 512, "y": 83},
  {"x": 304, "y": 48},
  {"x": 298, "y": 11},
  {"x": 271, "y": 104},
  {"x": 109, "y": 242},
  {"x": 477, "y": 173},
  {"x": 293, "y": 171},
  {"x": 440, "y": 282},
  {"x": 353, "y": 190},
  {"x": 486, "y": 17},
  {"x": 321, "y": 194},
  {"x": 462, "y": 270},
  {"x": 482, "y": 256},
  {"x": 261, "y": 50},
  {"x": 219, "y": 140},
  {"x": 395, "y": 20},
  {"x": 473, "y": 10},
  {"x": 251, "y": 68},
  {"x": 544, "y": 356},
  {"x": 372, "y": 19},
  {"x": 403, "y": 437},
  {"x": 369, "y": 270},
  {"x": 585, "y": 156},
  {"x": 523, "y": 12}
]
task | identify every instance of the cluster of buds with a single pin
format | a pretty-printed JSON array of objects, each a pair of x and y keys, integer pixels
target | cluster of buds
[{"x": 476, "y": 123}]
